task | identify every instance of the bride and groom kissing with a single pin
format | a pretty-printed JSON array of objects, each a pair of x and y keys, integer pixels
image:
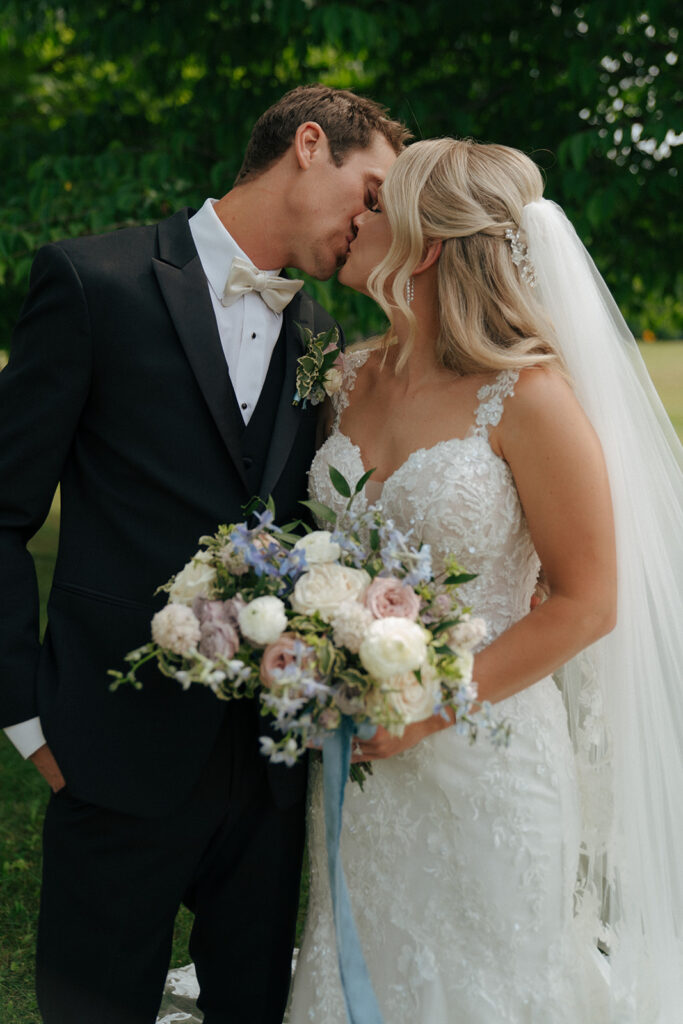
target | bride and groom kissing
[{"x": 152, "y": 375}]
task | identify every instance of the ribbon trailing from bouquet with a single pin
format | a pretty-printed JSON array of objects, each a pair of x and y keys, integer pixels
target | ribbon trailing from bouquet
[{"x": 359, "y": 997}]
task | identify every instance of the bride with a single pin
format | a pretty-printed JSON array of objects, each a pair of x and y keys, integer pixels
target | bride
[{"x": 512, "y": 424}]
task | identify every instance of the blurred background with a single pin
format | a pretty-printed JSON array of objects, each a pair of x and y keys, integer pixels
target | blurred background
[{"x": 119, "y": 112}]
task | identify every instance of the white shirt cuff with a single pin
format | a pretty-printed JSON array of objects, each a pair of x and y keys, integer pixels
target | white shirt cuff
[{"x": 27, "y": 736}]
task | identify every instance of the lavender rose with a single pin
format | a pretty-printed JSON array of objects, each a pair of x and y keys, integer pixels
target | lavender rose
[
  {"x": 218, "y": 634},
  {"x": 387, "y": 597}
]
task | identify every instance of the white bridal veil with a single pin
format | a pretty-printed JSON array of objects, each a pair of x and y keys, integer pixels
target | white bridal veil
[{"x": 625, "y": 693}]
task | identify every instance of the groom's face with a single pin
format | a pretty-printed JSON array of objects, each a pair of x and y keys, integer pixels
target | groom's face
[{"x": 335, "y": 196}]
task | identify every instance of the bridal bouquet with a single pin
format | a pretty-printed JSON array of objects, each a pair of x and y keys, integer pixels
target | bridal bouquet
[{"x": 319, "y": 625}]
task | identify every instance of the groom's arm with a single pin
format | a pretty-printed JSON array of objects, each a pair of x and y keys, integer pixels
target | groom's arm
[{"x": 42, "y": 392}]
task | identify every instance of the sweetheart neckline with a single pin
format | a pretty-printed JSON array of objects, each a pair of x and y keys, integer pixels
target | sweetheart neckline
[{"x": 416, "y": 451}]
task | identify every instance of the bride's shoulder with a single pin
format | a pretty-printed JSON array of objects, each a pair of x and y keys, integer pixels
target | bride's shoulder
[
  {"x": 542, "y": 395},
  {"x": 364, "y": 345},
  {"x": 361, "y": 352},
  {"x": 365, "y": 355}
]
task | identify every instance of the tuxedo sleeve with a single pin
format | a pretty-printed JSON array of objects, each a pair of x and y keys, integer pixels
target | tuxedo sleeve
[{"x": 42, "y": 393}]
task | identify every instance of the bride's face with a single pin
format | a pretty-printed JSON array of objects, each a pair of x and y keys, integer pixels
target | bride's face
[{"x": 368, "y": 248}]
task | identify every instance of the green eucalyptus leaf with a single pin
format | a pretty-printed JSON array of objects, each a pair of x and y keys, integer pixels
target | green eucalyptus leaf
[
  {"x": 320, "y": 511},
  {"x": 363, "y": 480},
  {"x": 339, "y": 482}
]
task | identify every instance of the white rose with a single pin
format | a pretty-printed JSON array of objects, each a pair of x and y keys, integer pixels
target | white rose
[
  {"x": 319, "y": 547},
  {"x": 333, "y": 380},
  {"x": 411, "y": 699},
  {"x": 325, "y": 587},
  {"x": 468, "y": 634},
  {"x": 176, "y": 628},
  {"x": 263, "y": 620},
  {"x": 350, "y": 624},
  {"x": 196, "y": 579},
  {"x": 392, "y": 647}
]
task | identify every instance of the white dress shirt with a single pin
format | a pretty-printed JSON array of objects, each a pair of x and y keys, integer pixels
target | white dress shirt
[{"x": 248, "y": 330}]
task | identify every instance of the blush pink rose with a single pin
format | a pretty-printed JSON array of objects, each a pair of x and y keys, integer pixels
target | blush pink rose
[
  {"x": 387, "y": 597},
  {"x": 278, "y": 655}
]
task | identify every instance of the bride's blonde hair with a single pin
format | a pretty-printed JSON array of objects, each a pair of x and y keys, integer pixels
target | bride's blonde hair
[{"x": 466, "y": 195}]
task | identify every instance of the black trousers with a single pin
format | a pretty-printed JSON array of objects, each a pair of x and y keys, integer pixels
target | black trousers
[{"x": 112, "y": 885}]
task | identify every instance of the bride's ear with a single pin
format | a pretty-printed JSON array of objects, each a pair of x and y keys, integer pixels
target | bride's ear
[{"x": 432, "y": 253}]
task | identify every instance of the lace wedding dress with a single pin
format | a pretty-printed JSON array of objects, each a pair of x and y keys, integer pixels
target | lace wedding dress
[{"x": 460, "y": 859}]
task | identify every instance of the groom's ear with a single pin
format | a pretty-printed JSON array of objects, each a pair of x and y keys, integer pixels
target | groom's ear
[
  {"x": 310, "y": 142},
  {"x": 432, "y": 253}
]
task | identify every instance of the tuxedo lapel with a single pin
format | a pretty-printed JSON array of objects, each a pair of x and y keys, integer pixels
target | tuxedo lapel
[
  {"x": 299, "y": 313},
  {"x": 185, "y": 291}
]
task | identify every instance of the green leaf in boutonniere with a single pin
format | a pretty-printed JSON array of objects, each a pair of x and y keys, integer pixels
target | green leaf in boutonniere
[{"x": 316, "y": 373}]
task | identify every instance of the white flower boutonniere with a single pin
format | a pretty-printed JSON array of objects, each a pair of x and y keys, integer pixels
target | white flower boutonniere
[{"x": 317, "y": 372}]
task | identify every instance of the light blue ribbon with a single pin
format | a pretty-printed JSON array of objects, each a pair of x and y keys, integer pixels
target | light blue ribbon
[{"x": 359, "y": 997}]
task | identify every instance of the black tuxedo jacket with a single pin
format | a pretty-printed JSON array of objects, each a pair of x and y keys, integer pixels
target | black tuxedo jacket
[{"x": 117, "y": 387}]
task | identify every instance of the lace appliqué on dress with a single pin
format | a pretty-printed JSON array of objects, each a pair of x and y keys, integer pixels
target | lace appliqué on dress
[
  {"x": 491, "y": 397},
  {"x": 351, "y": 362},
  {"x": 461, "y": 860}
]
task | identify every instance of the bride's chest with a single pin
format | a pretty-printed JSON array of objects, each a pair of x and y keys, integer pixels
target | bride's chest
[{"x": 456, "y": 495}]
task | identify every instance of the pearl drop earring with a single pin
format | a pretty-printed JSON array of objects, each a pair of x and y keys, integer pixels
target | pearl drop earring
[{"x": 410, "y": 290}]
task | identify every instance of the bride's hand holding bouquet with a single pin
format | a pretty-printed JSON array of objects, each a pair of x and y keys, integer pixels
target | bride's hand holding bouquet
[{"x": 323, "y": 627}]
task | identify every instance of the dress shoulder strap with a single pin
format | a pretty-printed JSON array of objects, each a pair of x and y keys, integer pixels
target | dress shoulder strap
[
  {"x": 491, "y": 396},
  {"x": 351, "y": 361}
]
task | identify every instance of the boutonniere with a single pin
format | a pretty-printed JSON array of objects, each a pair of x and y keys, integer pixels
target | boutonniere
[{"x": 317, "y": 371}]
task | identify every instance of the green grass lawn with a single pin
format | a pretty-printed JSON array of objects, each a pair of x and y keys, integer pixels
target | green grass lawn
[{"x": 23, "y": 794}]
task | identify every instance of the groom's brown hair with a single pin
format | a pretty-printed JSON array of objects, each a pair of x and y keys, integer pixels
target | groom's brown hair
[{"x": 349, "y": 122}]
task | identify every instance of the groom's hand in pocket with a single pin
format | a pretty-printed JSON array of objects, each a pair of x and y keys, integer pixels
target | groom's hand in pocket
[{"x": 44, "y": 761}]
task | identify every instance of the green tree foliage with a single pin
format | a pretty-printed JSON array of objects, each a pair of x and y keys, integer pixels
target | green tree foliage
[{"x": 116, "y": 112}]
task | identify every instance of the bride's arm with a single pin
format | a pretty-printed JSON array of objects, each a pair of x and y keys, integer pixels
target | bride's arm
[{"x": 557, "y": 464}]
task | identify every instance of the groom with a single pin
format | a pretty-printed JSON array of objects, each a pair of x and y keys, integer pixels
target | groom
[{"x": 156, "y": 386}]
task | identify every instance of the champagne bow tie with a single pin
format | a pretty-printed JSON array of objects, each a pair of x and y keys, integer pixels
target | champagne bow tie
[{"x": 275, "y": 291}]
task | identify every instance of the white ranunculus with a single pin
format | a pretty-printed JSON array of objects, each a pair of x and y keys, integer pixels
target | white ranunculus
[
  {"x": 176, "y": 628},
  {"x": 319, "y": 547},
  {"x": 325, "y": 587},
  {"x": 263, "y": 620},
  {"x": 196, "y": 579},
  {"x": 392, "y": 647},
  {"x": 468, "y": 634},
  {"x": 412, "y": 699}
]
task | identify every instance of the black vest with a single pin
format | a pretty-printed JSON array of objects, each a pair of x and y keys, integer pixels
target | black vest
[{"x": 257, "y": 434}]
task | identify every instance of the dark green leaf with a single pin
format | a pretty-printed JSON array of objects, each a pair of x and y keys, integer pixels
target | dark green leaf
[
  {"x": 363, "y": 480},
  {"x": 339, "y": 482},
  {"x": 320, "y": 511}
]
